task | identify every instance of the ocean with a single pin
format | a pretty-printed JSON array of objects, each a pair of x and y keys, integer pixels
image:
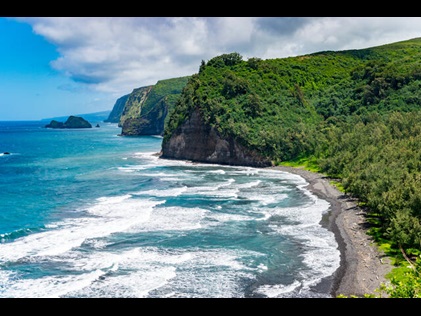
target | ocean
[{"x": 86, "y": 213}]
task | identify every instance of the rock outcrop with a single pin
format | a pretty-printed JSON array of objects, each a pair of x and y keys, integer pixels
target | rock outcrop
[
  {"x": 100, "y": 116},
  {"x": 195, "y": 141},
  {"x": 71, "y": 122}
]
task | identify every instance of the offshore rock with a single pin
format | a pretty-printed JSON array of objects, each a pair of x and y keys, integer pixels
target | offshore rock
[
  {"x": 71, "y": 122},
  {"x": 199, "y": 142}
]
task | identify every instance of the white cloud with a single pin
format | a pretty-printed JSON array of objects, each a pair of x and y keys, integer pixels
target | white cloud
[{"x": 116, "y": 55}]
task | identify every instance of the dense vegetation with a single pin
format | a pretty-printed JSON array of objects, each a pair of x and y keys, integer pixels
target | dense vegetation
[
  {"x": 164, "y": 92},
  {"x": 356, "y": 114},
  {"x": 146, "y": 109}
]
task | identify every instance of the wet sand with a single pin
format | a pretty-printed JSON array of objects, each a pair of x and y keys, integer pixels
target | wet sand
[{"x": 363, "y": 266}]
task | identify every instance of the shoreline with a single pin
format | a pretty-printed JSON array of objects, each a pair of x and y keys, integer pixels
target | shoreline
[{"x": 363, "y": 266}]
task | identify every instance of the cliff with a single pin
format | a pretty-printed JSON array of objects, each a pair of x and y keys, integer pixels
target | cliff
[
  {"x": 284, "y": 108},
  {"x": 197, "y": 141},
  {"x": 150, "y": 123},
  {"x": 145, "y": 110},
  {"x": 353, "y": 115},
  {"x": 115, "y": 114},
  {"x": 132, "y": 108}
]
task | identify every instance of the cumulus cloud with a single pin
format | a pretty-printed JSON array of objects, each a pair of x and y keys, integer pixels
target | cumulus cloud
[{"x": 118, "y": 54}]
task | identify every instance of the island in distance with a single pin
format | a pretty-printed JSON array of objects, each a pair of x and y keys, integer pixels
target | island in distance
[{"x": 71, "y": 122}]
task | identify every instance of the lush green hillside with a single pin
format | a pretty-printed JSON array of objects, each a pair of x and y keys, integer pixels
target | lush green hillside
[
  {"x": 272, "y": 105},
  {"x": 145, "y": 110},
  {"x": 162, "y": 98},
  {"x": 356, "y": 114}
]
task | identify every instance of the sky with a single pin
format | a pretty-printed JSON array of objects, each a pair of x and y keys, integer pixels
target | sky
[{"x": 59, "y": 66}]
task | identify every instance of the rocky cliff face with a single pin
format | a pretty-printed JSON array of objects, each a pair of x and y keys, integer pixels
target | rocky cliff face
[
  {"x": 151, "y": 123},
  {"x": 133, "y": 107},
  {"x": 145, "y": 110},
  {"x": 193, "y": 140},
  {"x": 115, "y": 114}
]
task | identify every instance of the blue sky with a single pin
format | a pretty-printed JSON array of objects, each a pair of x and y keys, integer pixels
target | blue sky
[{"x": 58, "y": 66}]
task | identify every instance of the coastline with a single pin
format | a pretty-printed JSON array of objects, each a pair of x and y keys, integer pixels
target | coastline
[{"x": 363, "y": 266}]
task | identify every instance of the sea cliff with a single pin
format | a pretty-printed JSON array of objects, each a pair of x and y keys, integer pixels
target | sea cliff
[
  {"x": 197, "y": 141},
  {"x": 353, "y": 115},
  {"x": 118, "y": 108},
  {"x": 145, "y": 110}
]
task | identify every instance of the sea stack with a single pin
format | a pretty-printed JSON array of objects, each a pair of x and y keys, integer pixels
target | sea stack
[{"x": 71, "y": 122}]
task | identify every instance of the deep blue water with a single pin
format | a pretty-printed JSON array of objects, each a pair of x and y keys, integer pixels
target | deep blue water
[{"x": 88, "y": 213}]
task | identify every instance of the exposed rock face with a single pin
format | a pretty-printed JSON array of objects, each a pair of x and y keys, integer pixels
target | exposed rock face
[
  {"x": 133, "y": 105},
  {"x": 71, "y": 122},
  {"x": 145, "y": 110},
  {"x": 152, "y": 123},
  {"x": 117, "y": 110},
  {"x": 196, "y": 141}
]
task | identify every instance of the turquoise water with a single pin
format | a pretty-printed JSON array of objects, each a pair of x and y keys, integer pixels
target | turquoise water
[{"x": 87, "y": 213}]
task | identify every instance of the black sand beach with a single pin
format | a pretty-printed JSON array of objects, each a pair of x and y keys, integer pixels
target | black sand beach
[{"x": 363, "y": 266}]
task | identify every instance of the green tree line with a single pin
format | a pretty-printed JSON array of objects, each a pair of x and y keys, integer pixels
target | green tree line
[{"x": 355, "y": 114}]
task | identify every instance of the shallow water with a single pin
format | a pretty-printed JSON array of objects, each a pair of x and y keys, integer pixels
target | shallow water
[{"x": 87, "y": 213}]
